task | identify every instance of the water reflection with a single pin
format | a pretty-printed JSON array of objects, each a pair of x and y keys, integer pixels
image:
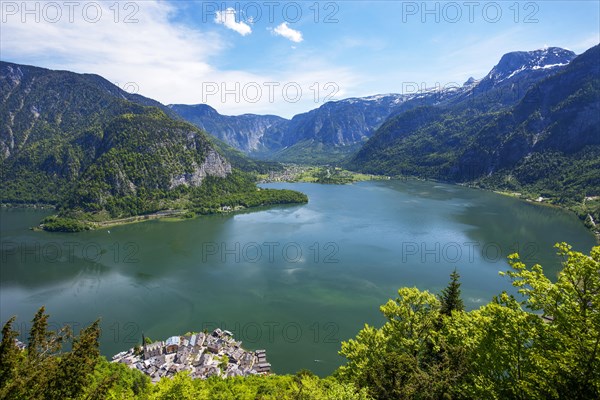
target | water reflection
[{"x": 324, "y": 267}]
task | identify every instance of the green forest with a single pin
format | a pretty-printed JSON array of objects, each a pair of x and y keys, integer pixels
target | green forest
[
  {"x": 545, "y": 145},
  {"x": 215, "y": 195},
  {"x": 97, "y": 153},
  {"x": 542, "y": 344}
]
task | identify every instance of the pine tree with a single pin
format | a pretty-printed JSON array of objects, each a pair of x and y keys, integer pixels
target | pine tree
[
  {"x": 38, "y": 335},
  {"x": 9, "y": 353},
  {"x": 75, "y": 366},
  {"x": 450, "y": 298}
]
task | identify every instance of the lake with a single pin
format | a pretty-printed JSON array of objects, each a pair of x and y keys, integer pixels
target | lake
[{"x": 294, "y": 280}]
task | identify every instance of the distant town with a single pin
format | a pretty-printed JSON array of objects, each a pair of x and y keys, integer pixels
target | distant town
[{"x": 202, "y": 354}]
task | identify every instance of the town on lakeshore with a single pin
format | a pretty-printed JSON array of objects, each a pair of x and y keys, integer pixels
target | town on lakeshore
[{"x": 202, "y": 354}]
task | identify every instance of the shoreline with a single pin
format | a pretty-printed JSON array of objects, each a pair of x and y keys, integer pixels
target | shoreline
[
  {"x": 179, "y": 214},
  {"x": 324, "y": 174},
  {"x": 515, "y": 195},
  {"x": 42, "y": 206},
  {"x": 544, "y": 202},
  {"x": 538, "y": 202},
  {"x": 139, "y": 218},
  {"x": 165, "y": 215}
]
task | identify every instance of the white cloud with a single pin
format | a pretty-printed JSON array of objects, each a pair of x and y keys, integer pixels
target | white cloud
[
  {"x": 159, "y": 56},
  {"x": 291, "y": 34},
  {"x": 227, "y": 18},
  {"x": 169, "y": 61}
]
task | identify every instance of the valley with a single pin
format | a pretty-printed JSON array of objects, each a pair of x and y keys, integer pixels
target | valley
[
  {"x": 393, "y": 200},
  {"x": 454, "y": 134}
]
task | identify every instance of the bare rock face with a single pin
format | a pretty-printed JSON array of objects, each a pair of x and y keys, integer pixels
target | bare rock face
[
  {"x": 214, "y": 165},
  {"x": 122, "y": 184},
  {"x": 244, "y": 132},
  {"x": 10, "y": 77}
]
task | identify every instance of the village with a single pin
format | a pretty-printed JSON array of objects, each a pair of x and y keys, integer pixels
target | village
[{"x": 201, "y": 354}]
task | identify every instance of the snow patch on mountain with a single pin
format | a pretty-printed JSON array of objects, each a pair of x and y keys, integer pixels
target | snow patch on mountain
[{"x": 512, "y": 64}]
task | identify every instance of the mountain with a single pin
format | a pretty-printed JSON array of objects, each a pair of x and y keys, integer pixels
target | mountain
[
  {"x": 523, "y": 62},
  {"x": 98, "y": 152},
  {"x": 338, "y": 129},
  {"x": 335, "y": 128},
  {"x": 244, "y": 132},
  {"x": 555, "y": 128},
  {"x": 515, "y": 74},
  {"x": 78, "y": 141},
  {"x": 545, "y": 144}
]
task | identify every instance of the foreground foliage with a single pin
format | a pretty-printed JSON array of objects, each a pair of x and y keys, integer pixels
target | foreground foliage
[
  {"x": 503, "y": 350},
  {"x": 45, "y": 371}
]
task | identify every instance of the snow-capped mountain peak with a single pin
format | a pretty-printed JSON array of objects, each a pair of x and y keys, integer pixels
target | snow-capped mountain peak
[{"x": 516, "y": 62}]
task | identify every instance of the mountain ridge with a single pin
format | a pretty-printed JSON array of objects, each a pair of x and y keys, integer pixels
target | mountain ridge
[
  {"x": 59, "y": 127},
  {"x": 546, "y": 145},
  {"x": 338, "y": 128},
  {"x": 99, "y": 153},
  {"x": 243, "y": 132}
]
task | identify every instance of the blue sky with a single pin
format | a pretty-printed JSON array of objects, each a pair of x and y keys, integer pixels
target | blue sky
[{"x": 286, "y": 57}]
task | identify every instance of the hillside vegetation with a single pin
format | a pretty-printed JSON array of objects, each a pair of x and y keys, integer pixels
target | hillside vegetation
[
  {"x": 546, "y": 145},
  {"x": 98, "y": 153}
]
